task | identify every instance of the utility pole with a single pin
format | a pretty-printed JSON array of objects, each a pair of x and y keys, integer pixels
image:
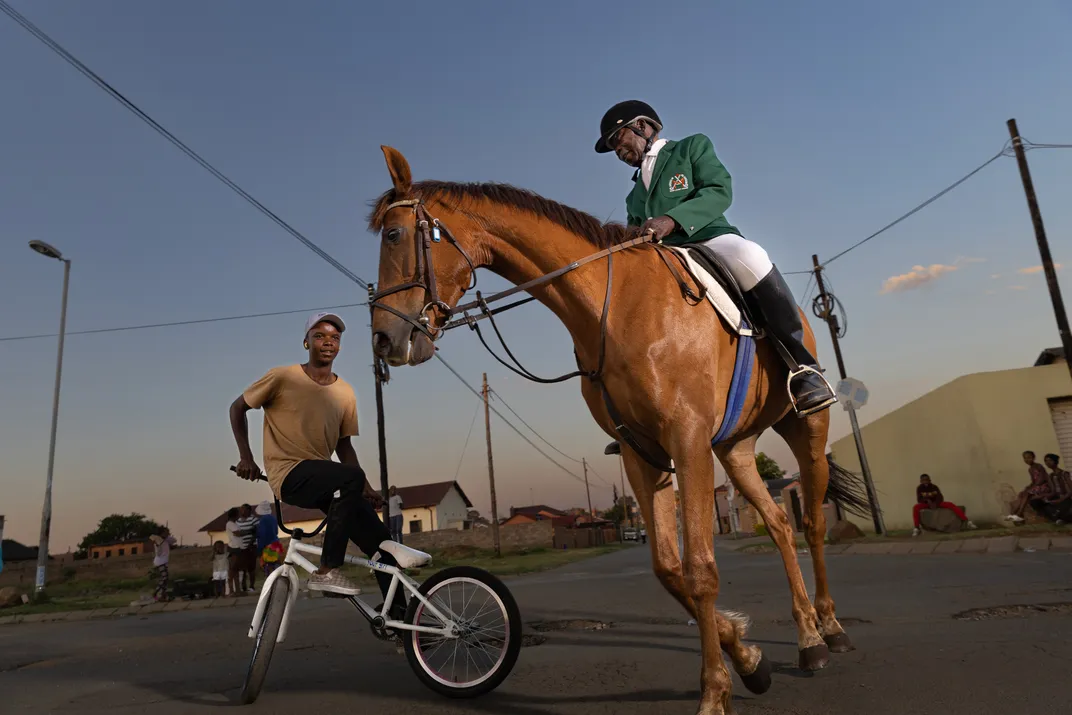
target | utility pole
[
  {"x": 625, "y": 502},
  {"x": 831, "y": 322},
  {"x": 379, "y": 371},
  {"x": 491, "y": 471},
  {"x": 584, "y": 463},
  {"x": 1043, "y": 244}
]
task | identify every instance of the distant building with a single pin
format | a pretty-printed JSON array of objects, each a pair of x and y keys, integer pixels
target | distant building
[
  {"x": 425, "y": 507},
  {"x": 968, "y": 435},
  {"x": 14, "y": 551},
  {"x": 121, "y": 549}
]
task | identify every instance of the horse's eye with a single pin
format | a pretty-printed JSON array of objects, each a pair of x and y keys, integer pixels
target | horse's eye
[{"x": 394, "y": 235}]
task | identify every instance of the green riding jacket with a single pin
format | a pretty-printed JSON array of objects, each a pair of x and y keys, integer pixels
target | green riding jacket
[{"x": 691, "y": 186}]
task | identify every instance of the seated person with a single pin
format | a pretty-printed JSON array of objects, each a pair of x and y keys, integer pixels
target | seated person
[
  {"x": 1035, "y": 494},
  {"x": 929, "y": 496},
  {"x": 1058, "y": 507}
]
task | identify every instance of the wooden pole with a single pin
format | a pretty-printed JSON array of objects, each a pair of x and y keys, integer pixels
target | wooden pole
[
  {"x": 1043, "y": 243},
  {"x": 491, "y": 471},
  {"x": 584, "y": 463},
  {"x": 831, "y": 322},
  {"x": 379, "y": 372}
]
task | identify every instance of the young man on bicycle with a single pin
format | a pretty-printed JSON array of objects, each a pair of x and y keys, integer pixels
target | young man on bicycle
[{"x": 309, "y": 413}]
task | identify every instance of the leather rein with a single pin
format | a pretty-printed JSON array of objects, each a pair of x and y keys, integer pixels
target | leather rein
[{"x": 430, "y": 231}]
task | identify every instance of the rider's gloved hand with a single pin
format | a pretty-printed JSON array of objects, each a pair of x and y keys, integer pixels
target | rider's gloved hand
[{"x": 247, "y": 469}]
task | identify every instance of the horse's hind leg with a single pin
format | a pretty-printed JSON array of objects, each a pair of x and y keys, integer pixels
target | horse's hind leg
[
  {"x": 740, "y": 462},
  {"x": 655, "y": 496},
  {"x": 807, "y": 438}
]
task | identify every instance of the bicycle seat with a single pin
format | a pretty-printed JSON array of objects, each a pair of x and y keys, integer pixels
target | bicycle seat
[{"x": 406, "y": 557}]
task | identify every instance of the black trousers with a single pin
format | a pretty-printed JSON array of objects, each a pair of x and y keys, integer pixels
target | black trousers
[{"x": 312, "y": 484}]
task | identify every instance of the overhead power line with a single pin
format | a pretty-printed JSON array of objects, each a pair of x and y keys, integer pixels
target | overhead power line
[
  {"x": 465, "y": 446},
  {"x": 509, "y": 424},
  {"x": 183, "y": 322},
  {"x": 515, "y": 414},
  {"x": 138, "y": 112},
  {"x": 920, "y": 207}
]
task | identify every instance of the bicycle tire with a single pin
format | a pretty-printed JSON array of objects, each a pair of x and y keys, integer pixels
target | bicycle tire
[
  {"x": 264, "y": 643},
  {"x": 513, "y": 646}
]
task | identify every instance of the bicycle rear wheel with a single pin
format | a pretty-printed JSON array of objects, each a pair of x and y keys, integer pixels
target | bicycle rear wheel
[
  {"x": 489, "y": 623},
  {"x": 264, "y": 643}
]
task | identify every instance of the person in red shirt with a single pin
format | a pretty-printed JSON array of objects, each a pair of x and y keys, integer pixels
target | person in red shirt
[{"x": 929, "y": 496}]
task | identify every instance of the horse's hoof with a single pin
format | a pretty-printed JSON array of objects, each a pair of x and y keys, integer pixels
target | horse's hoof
[
  {"x": 759, "y": 681},
  {"x": 815, "y": 657},
  {"x": 839, "y": 643}
]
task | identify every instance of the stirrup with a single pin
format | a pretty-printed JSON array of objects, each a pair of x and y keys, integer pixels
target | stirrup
[{"x": 801, "y": 369}]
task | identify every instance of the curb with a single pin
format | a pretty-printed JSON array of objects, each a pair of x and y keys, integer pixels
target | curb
[
  {"x": 100, "y": 614},
  {"x": 985, "y": 545}
]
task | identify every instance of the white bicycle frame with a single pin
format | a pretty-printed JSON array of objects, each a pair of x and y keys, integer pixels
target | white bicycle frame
[{"x": 288, "y": 571}]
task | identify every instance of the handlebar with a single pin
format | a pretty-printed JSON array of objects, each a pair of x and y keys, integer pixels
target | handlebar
[{"x": 279, "y": 511}]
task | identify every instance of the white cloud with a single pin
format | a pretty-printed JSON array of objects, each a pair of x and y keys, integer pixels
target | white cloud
[
  {"x": 1017, "y": 287},
  {"x": 969, "y": 259},
  {"x": 918, "y": 276},
  {"x": 1037, "y": 269},
  {"x": 995, "y": 276}
]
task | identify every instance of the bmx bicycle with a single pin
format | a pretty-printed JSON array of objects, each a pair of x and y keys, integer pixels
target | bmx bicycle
[{"x": 477, "y": 650}]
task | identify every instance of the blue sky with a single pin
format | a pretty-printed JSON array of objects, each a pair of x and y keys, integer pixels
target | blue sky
[{"x": 833, "y": 119}]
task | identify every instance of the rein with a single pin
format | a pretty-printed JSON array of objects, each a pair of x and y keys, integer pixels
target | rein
[{"x": 430, "y": 230}]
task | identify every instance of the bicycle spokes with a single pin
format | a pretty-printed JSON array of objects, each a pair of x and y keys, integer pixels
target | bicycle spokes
[{"x": 480, "y": 625}]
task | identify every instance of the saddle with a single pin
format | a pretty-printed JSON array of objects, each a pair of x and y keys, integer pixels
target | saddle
[{"x": 720, "y": 289}]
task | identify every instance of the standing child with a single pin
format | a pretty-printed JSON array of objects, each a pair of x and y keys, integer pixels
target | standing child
[
  {"x": 162, "y": 544},
  {"x": 220, "y": 568}
]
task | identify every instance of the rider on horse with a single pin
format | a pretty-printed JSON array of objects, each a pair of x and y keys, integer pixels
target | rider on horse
[{"x": 682, "y": 198}]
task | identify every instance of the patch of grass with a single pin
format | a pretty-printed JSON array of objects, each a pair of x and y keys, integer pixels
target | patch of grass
[
  {"x": 509, "y": 564},
  {"x": 72, "y": 595}
]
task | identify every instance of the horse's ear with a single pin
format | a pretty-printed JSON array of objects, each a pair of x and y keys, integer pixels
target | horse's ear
[{"x": 399, "y": 169}]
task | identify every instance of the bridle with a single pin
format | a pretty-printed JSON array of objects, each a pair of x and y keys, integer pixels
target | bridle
[{"x": 429, "y": 231}]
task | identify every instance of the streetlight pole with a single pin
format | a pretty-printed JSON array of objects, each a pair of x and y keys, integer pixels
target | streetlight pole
[{"x": 46, "y": 511}]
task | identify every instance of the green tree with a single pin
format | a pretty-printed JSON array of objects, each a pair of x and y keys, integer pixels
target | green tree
[
  {"x": 615, "y": 514},
  {"x": 768, "y": 468},
  {"x": 119, "y": 528}
]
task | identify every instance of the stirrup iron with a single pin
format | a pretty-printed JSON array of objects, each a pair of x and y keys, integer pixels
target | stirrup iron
[{"x": 801, "y": 369}]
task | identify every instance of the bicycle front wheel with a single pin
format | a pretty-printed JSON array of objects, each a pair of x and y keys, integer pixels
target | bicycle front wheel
[
  {"x": 489, "y": 633},
  {"x": 264, "y": 643}
]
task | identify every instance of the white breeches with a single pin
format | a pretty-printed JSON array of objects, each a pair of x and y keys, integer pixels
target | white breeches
[{"x": 746, "y": 260}]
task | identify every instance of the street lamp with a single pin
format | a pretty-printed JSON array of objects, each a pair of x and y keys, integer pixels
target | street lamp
[{"x": 46, "y": 512}]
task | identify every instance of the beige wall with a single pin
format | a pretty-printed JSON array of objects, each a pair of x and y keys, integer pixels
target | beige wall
[{"x": 968, "y": 435}]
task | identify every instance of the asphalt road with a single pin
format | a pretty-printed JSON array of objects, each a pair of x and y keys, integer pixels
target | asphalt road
[{"x": 912, "y": 655}]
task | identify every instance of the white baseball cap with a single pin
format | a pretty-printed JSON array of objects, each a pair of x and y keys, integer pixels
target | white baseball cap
[{"x": 322, "y": 318}]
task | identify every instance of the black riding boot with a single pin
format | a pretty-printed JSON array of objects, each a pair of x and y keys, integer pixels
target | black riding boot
[{"x": 772, "y": 304}]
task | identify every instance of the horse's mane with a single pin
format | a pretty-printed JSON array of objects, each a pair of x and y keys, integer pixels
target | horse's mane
[{"x": 457, "y": 196}]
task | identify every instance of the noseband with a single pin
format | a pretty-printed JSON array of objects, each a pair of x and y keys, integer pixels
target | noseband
[{"x": 429, "y": 231}]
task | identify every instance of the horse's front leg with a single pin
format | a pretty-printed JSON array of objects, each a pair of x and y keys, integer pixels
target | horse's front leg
[{"x": 695, "y": 476}]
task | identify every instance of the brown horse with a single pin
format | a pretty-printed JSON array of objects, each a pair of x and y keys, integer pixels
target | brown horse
[{"x": 663, "y": 361}]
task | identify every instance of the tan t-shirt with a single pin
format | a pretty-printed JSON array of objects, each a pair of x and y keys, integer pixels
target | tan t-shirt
[{"x": 302, "y": 418}]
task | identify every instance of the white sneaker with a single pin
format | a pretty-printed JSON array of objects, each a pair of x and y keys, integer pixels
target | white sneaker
[
  {"x": 971, "y": 525},
  {"x": 333, "y": 582},
  {"x": 916, "y": 531},
  {"x": 1013, "y": 518}
]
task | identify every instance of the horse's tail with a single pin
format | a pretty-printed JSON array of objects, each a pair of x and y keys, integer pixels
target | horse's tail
[{"x": 847, "y": 490}]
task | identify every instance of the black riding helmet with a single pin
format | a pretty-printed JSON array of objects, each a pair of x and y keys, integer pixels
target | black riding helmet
[{"x": 624, "y": 114}]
